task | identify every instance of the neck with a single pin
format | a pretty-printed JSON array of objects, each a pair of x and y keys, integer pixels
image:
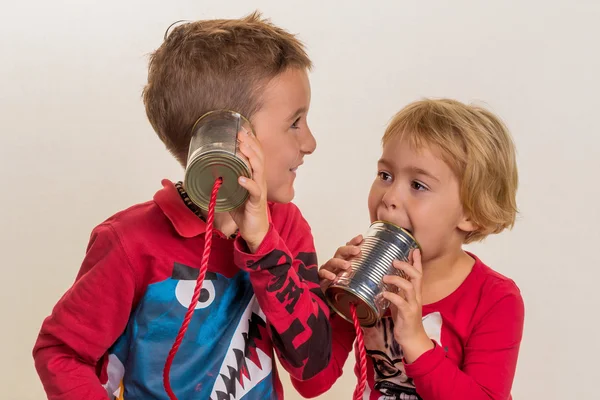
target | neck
[
  {"x": 446, "y": 265},
  {"x": 223, "y": 223},
  {"x": 444, "y": 274}
]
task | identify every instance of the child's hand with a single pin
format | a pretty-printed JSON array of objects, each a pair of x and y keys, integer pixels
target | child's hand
[
  {"x": 340, "y": 261},
  {"x": 252, "y": 218},
  {"x": 407, "y": 309}
]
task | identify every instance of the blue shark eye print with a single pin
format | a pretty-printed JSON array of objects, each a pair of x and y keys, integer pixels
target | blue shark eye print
[{"x": 187, "y": 282}]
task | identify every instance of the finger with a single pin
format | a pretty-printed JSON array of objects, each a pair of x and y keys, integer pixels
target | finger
[
  {"x": 418, "y": 279},
  {"x": 417, "y": 260},
  {"x": 256, "y": 165},
  {"x": 252, "y": 149},
  {"x": 347, "y": 252},
  {"x": 327, "y": 275},
  {"x": 355, "y": 240},
  {"x": 405, "y": 286},
  {"x": 336, "y": 264},
  {"x": 413, "y": 274},
  {"x": 253, "y": 155},
  {"x": 410, "y": 271},
  {"x": 396, "y": 300},
  {"x": 253, "y": 189},
  {"x": 248, "y": 139}
]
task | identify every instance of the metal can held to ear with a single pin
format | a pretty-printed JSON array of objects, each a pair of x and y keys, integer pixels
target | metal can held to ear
[
  {"x": 362, "y": 284},
  {"x": 214, "y": 153}
]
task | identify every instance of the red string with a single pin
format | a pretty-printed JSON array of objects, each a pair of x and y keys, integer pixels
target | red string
[
  {"x": 197, "y": 289},
  {"x": 361, "y": 356}
]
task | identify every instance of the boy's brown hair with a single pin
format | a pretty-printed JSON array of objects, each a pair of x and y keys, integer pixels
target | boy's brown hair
[
  {"x": 478, "y": 148},
  {"x": 214, "y": 64}
]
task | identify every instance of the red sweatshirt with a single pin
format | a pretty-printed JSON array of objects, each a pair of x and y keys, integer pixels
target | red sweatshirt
[
  {"x": 476, "y": 331},
  {"x": 109, "y": 335}
]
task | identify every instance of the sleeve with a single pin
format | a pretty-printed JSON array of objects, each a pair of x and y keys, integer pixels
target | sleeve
[
  {"x": 284, "y": 276},
  {"x": 490, "y": 358},
  {"x": 343, "y": 336},
  {"x": 70, "y": 349}
]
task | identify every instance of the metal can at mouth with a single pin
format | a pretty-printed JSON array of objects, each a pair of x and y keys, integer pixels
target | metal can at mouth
[
  {"x": 362, "y": 284},
  {"x": 214, "y": 153}
]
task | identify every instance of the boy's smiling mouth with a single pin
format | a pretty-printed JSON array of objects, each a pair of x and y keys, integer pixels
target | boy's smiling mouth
[{"x": 294, "y": 169}]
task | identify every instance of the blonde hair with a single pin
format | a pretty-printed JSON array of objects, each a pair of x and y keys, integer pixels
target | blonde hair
[
  {"x": 477, "y": 146},
  {"x": 214, "y": 64}
]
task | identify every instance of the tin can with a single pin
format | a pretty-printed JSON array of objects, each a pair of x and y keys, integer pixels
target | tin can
[
  {"x": 362, "y": 284},
  {"x": 214, "y": 153}
]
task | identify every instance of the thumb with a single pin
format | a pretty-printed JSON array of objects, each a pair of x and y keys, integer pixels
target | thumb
[{"x": 253, "y": 189}]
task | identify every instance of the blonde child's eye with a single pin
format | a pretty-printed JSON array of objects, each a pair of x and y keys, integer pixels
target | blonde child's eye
[
  {"x": 418, "y": 186},
  {"x": 384, "y": 176}
]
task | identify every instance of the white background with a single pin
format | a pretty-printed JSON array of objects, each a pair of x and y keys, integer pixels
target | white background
[{"x": 75, "y": 146}]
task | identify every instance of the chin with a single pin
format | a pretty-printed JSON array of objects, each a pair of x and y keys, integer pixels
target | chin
[{"x": 282, "y": 196}]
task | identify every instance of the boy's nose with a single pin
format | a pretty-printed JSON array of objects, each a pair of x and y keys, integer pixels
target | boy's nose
[{"x": 308, "y": 142}]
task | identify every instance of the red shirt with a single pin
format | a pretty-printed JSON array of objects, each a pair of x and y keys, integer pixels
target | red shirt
[
  {"x": 109, "y": 335},
  {"x": 476, "y": 331}
]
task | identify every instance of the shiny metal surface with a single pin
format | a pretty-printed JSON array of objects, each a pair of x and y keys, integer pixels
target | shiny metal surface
[
  {"x": 362, "y": 283},
  {"x": 214, "y": 152}
]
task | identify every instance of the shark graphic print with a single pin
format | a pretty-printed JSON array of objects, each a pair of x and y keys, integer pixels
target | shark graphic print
[
  {"x": 226, "y": 352},
  {"x": 112, "y": 330}
]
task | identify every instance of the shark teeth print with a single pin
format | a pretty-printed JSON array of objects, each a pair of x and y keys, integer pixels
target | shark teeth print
[{"x": 245, "y": 363}]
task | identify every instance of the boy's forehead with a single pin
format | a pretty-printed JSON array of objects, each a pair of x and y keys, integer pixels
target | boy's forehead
[{"x": 290, "y": 89}]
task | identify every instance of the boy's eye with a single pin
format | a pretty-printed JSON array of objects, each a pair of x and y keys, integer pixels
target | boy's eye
[
  {"x": 295, "y": 124},
  {"x": 384, "y": 176},
  {"x": 418, "y": 186}
]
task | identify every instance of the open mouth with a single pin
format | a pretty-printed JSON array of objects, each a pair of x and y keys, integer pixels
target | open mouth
[{"x": 409, "y": 230}]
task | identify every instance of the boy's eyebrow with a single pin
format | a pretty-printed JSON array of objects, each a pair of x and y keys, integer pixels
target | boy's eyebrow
[{"x": 299, "y": 111}]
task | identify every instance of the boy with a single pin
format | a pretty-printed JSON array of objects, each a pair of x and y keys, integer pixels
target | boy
[
  {"x": 110, "y": 334},
  {"x": 453, "y": 330}
]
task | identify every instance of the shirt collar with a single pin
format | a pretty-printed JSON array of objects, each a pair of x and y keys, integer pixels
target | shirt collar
[{"x": 186, "y": 223}]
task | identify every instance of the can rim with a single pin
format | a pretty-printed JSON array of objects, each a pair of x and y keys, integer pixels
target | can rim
[
  {"x": 223, "y": 110},
  {"x": 201, "y": 199},
  {"x": 400, "y": 228},
  {"x": 339, "y": 312}
]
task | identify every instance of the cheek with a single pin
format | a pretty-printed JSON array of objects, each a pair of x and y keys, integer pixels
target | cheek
[
  {"x": 452, "y": 212},
  {"x": 374, "y": 200},
  {"x": 281, "y": 153},
  {"x": 436, "y": 223}
]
